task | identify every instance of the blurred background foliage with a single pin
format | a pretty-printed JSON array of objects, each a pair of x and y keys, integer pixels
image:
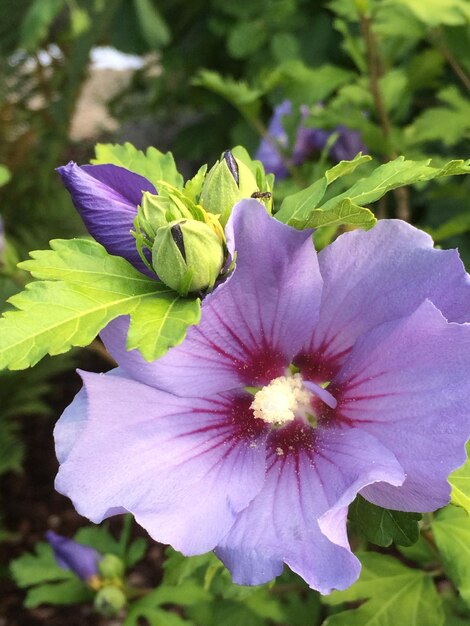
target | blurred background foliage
[{"x": 208, "y": 77}]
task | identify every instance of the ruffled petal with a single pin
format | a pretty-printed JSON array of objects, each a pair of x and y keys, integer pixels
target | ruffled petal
[
  {"x": 184, "y": 467},
  {"x": 252, "y": 325},
  {"x": 107, "y": 196},
  {"x": 299, "y": 517},
  {"x": 407, "y": 383},
  {"x": 377, "y": 276}
]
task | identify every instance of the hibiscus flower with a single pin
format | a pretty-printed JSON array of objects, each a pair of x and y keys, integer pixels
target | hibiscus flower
[{"x": 310, "y": 379}]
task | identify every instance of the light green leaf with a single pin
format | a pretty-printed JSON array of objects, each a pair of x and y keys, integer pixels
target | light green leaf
[
  {"x": 88, "y": 289},
  {"x": 65, "y": 592},
  {"x": 437, "y": 12},
  {"x": 243, "y": 97},
  {"x": 153, "y": 164},
  {"x": 4, "y": 175},
  {"x": 396, "y": 173},
  {"x": 460, "y": 481},
  {"x": 451, "y": 528},
  {"x": 300, "y": 209},
  {"x": 382, "y": 526},
  {"x": 396, "y": 595},
  {"x": 32, "y": 569}
]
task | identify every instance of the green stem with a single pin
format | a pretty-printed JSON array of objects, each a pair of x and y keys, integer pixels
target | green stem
[{"x": 125, "y": 534}]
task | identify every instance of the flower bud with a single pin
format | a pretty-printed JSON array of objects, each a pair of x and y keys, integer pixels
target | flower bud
[
  {"x": 110, "y": 600},
  {"x": 187, "y": 256},
  {"x": 156, "y": 211},
  {"x": 111, "y": 567},
  {"x": 229, "y": 181},
  {"x": 80, "y": 559}
]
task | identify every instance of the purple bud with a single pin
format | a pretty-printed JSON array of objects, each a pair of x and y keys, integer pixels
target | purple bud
[
  {"x": 232, "y": 165},
  {"x": 80, "y": 559}
]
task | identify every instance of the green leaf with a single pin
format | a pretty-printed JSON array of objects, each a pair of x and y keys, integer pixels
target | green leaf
[
  {"x": 32, "y": 569},
  {"x": 382, "y": 526},
  {"x": 396, "y": 173},
  {"x": 460, "y": 482},
  {"x": 37, "y": 21},
  {"x": 437, "y": 12},
  {"x": 395, "y": 594},
  {"x": 153, "y": 164},
  {"x": 98, "y": 537},
  {"x": 89, "y": 288},
  {"x": 66, "y": 592},
  {"x": 454, "y": 116},
  {"x": 4, "y": 175},
  {"x": 451, "y": 528},
  {"x": 243, "y": 97},
  {"x": 300, "y": 209},
  {"x": 152, "y": 25}
]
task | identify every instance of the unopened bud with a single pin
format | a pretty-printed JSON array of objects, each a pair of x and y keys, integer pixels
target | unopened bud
[
  {"x": 110, "y": 600},
  {"x": 111, "y": 567},
  {"x": 229, "y": 181},
  {"x": 187, "y": 256}
]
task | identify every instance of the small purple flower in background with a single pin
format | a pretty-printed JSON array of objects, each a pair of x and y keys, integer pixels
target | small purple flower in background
[
  {"x": 308, "y": 141},
  {"x": 81, "y": 560},
  {"x": 106, "y": 197},
  {"x": 310, "y": 378}
]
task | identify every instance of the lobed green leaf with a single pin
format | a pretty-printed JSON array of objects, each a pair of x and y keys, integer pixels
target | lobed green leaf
[
  {"x": 153, "y": 164},
  {"x": 460, "y": 481},
  {"x": 82, "y": 289}
]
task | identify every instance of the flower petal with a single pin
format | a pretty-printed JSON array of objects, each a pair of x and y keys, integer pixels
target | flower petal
[
  {"x": 407, "y": 383},
  {"x": 380, "y": 275},
  {"x": 80, "y": 559},
  {"x": 107, "y": 196},
  {"x": 299, "y": 516},
  {"x": 252, "y": 325},
  {"x": 184, "y": 467}
]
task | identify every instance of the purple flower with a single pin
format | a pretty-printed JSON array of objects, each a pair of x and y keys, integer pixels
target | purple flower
[
  {"x": 359, "y": 358},
  {"x": 80, "y": 559},
  {"x": 308, "y": 141},
  {"x": 107, "y": 196}
]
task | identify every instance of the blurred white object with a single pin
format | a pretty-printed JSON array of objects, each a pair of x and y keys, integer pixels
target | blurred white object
[{"x": 107, "y": 58}]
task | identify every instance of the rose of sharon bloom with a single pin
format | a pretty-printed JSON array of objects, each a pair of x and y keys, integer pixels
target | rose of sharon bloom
[
  {"x": 81, "y": 560},
  {"x": 359, "y": 359},
  {"x": 106, "y": 197},
  {"x": 307, "y": 142}
]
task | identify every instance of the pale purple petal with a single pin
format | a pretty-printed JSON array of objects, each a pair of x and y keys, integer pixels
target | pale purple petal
[
  {"x": 252, "y": 325},
  {"x": 107, "y": 196},
  {"x": 299, "y": 517},
  {"x": 80, "y": 559},
  {"x": 407, "y": 383},
  {"x": 377, "y": 276},
  {"x": 184, "y": 467}
]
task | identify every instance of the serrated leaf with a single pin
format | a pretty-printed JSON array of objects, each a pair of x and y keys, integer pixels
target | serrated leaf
[
  {"x": 395, "y": 594},
  {"x": 460, "y": 482},
  {"x": 65, "y": 592},
  {"x": 89, "y": 288},
  {"x": 451, "y": 528},
  {"x": 396, "y": 173},
  {"x": 300, "y": 209},
  {"x": 32, "y": 569},
  {"x": 383, "y": 526},
  {"x": 153, "y": 164}
]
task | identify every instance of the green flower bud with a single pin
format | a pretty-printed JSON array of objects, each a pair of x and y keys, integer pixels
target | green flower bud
[
  {"x": 110, "y": 600},
  {"x": 229, "y": 181},
  {"x": 111, "y": 566},
  {"x": 156, "y": 211},
  {"x": 187, "y": 256}
]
